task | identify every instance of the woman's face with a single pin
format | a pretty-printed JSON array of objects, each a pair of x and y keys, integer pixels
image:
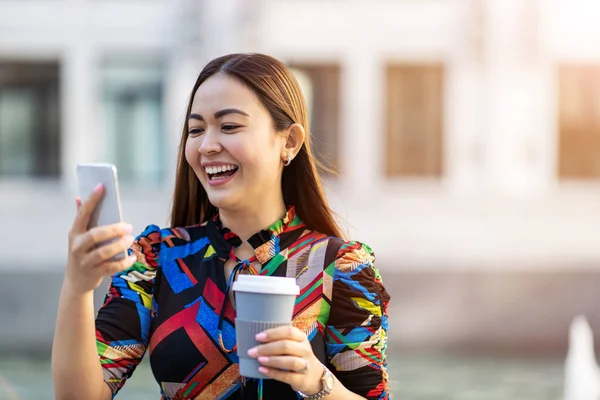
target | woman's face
[{"x": 232, "y": 145}]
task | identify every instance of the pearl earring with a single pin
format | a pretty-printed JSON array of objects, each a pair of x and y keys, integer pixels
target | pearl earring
[{"x": 289, "y": 161}]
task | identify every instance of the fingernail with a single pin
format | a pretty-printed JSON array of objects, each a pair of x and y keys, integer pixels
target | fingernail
[
  {"x": 129, "y": 239},
  {"x": 252, "y": 352},
  {"x": 261, "y": 336},
  {"x": 98, "y": 188},
  {"x": 263, "y": 370},
  {"x": 132, "y": 259},
  {"x": 263, "y": 359},
  {"x": 128, "y": 228}
]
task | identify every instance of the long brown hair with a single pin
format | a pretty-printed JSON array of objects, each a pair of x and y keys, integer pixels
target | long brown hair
[{"x": 279, "y": 91}]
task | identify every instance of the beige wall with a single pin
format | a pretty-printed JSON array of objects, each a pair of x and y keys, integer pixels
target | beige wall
[
  {"x": 499, "y": 203},
  {"x": 452, "y": 249}
]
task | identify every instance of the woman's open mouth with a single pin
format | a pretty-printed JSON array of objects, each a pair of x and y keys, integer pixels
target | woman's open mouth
[{"x": 219, "y": 174}]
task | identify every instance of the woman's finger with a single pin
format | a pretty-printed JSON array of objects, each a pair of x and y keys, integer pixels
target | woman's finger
[
  {"x": 285, "y": 363},
  {"x": 101, "y": 234},
  {"x": 78, "y": 202},
  {"x": 82, "y": 219},
  {"x": 291, "y": 378},
  {"x": 107, "y": 251},
  {"x": 280, "y": 348},
  {"x": 288, "y": 332},
  {"x": 112, "y": 267}
]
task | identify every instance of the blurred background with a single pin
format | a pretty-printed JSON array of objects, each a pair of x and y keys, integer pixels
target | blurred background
[{"x": 466, "y": 134}]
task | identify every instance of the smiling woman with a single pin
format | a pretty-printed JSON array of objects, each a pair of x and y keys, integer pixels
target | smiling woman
[{"x": 245, "y": 165}]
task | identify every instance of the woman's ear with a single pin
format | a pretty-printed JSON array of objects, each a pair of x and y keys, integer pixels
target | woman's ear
[{"x": 294, "y": 139}]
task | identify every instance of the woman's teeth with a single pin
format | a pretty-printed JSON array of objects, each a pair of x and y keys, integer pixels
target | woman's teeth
[
  {"x": 220, "y": 171},
  {"x": 219, "y": 168}
]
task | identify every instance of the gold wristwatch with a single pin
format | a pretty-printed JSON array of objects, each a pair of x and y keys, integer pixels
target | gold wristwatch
[{"x": 327, "y": 382}]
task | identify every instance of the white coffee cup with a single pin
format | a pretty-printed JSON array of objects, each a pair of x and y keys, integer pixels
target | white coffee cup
[{"x": 262, "y": 302}]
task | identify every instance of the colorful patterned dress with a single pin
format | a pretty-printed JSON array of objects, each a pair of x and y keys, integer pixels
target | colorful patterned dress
[{"x": 171, "y": 300}]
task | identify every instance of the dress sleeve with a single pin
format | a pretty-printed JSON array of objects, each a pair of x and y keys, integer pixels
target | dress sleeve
[
  {"x": 123, "y": 321},
  {"x": 356, "y": 332}
]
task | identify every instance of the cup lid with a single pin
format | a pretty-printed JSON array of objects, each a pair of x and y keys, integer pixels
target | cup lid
[{"x": 266, "y": 284}]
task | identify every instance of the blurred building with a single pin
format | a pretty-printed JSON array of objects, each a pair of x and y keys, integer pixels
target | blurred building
[{"x": 466, "y": 133}]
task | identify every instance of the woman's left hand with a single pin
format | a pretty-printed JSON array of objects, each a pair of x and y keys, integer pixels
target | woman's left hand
[{"x": 286, "y": 355}]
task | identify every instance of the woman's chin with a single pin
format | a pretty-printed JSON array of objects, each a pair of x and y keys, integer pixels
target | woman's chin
[{"x": 222, "y": 201}]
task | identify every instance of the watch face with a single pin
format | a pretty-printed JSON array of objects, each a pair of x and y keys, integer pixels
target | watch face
[{"x": 328, "y": 381}]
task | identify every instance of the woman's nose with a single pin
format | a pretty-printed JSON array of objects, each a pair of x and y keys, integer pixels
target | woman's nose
[{"x": 210, "y": 143}]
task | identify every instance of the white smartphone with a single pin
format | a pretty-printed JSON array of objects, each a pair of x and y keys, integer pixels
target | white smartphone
[{"x": 108, "y": 210}]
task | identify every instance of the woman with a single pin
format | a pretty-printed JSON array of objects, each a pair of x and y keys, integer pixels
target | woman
[{"x": 245, "y": 166}]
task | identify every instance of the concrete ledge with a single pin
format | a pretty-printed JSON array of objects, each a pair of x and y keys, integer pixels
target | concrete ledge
[
  {"x": 28, "y": 305},
  {"x": 524, "y": 312},
  {"x": 491, "y": 312}
]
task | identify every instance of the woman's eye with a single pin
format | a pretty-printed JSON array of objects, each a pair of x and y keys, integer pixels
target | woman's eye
[
  {"x": 229, "y": 127},
  {"x": 196, "y": 131}
]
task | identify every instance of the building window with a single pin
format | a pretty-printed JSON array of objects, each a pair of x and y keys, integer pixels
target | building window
[
  {"x": 579, "y": 122},
  {"x": 320, "y": 84},
  {"x": 29, "y": 119},
  {"x": 133, "y": 124},
  {"x": 414, "y": 116}
]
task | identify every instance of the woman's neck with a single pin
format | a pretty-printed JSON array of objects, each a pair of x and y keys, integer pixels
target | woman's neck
[{"x": 248, "y": 222}]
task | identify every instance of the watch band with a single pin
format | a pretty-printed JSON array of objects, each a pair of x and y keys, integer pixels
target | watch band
[{"x": 326, "y": 390}]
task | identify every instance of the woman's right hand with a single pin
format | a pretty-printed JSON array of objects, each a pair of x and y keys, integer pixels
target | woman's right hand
[{"x": 87, "y": 264}]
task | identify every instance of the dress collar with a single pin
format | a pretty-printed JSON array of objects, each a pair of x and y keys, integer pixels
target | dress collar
[{"x": 266, "y": 243}]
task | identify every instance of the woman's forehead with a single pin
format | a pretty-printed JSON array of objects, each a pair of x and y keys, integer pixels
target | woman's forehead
[{"x": 220, "y": 92}]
